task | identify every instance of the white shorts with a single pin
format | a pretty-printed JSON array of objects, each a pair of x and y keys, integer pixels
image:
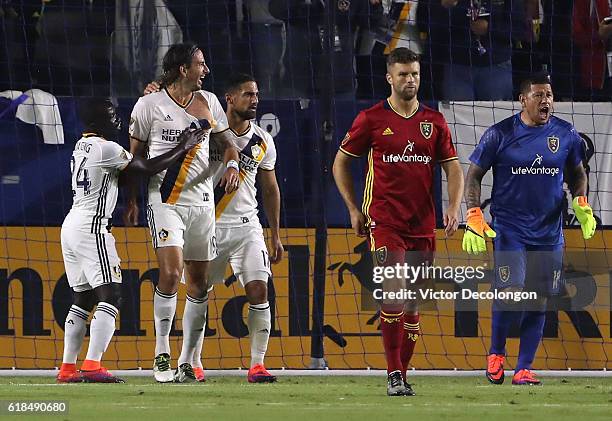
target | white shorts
[
  {"x": 244, "y": 248},
  {"x": 90, "y": 260},
  {"x": 191, "y": 228}
]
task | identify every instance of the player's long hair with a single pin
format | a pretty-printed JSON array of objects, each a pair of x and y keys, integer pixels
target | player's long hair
[{"x": 178, "y": 55}]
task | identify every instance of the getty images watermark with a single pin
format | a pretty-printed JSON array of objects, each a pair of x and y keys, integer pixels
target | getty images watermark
[{"x": 417, "y": 275}]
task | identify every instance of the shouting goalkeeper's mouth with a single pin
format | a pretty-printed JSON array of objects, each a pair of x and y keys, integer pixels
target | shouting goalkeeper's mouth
[{"x": 544, "y": 112}]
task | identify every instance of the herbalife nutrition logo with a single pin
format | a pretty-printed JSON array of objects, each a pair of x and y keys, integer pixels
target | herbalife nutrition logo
[
  {"x": 537, "y": 168},
  {"x": 406, "y": 156}
]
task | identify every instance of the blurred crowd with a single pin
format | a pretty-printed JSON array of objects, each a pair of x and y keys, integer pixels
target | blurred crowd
[{"x": 471, "y": 49}]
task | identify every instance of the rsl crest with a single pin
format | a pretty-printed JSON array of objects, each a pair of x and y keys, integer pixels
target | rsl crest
[
  {"x": 504, "y": 273},
  {"x": 553, "y": 143},
  {"x": 426, "y": 129},
  {"x": 381, "y": 255}
]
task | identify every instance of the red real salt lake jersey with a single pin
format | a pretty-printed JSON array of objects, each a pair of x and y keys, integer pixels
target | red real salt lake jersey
[{"x": 402, "y": 152}]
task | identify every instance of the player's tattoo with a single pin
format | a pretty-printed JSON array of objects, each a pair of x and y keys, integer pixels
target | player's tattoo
[
  {"x": 222, "y": 139},
  {"x": 472, "y": 186},
  {"x": 577, "y": 180}
]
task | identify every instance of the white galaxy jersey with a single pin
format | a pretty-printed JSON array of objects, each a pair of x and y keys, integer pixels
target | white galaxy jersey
[
  {"x": 257, "y": 150},
  {"x": 95, "y": 165},
  {"x": 158, "y": 120}
]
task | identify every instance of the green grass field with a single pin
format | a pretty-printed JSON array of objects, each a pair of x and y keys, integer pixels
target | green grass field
[{"x": 326, "y": 398}]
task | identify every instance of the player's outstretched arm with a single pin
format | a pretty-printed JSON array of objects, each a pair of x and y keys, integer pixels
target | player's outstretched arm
[
  {"x": 476, "y": 227},
  {"x": 130, "y": 215},
  {"x": 454, "y": 178},
  {"x": 225, "y": 144},
  {"x": 344, "y": 181},
  {"x": 271, "y": 201},
  {"x": 148, "y": 167},
  {"x": 578, "y": 185}
]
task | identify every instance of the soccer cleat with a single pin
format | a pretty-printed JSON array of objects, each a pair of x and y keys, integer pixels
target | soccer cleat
[
  {"x": 495, "y": 368},
  {"x": 525, "y": 377},
  {"x": 100, "y": 375},
  {"x": 184, "y": 374},
  {"x": 395, "y": 384},
  {"x": 161, "y": 369},
  {"x": 259, "y": 374},
  {"x": 199, "y": 374},
  {"x": 69, "y": 376},
  {"x": 409, "y": 391}
]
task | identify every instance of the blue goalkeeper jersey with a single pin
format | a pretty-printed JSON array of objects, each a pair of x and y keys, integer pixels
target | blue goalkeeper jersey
[{"x": 528, "y": 163}]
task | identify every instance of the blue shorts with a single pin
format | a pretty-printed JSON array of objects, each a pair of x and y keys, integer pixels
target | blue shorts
[{"x": 528, "y": 267}]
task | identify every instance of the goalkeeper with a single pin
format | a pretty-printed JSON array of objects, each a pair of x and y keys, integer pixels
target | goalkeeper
[{"x": 529, "y": 153}]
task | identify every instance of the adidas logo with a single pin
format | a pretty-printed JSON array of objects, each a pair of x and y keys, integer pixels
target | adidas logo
[
  {"x": 168, "y": 118},
  {"x": 387, "y": 132}
]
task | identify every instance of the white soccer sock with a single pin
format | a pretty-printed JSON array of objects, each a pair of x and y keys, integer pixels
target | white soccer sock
[
  {"x": 164, "y": 307},
  {"x": 194, "y": 319},
  {"x": 101, "y": 330},
  {"x": 75, "y": 327},
  {"x": 197, "y": 355},
  {"x": 259, "y": 323}
]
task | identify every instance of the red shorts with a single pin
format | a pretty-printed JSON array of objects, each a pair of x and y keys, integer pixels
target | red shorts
[{"x": 389, "y": 247}]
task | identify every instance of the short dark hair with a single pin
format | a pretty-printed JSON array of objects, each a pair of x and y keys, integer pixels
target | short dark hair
[
  {"x": 402, "y": 55},
  {"x": 177, "y": 55},
  {"x": 90, "y": 110},
  {"x": 534, "y": 79},
  {"x": 236, "y": 79}
]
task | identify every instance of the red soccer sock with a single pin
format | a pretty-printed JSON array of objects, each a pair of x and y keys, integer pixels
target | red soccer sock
[
  {"x": 68, "y": 368},
  {"x": 411, "y": 335},
  {"x": 392, "y": 334},
  {"x": 90, "y": 365}
]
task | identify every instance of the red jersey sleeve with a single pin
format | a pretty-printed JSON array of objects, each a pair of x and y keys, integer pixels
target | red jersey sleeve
[
  {"x": 357, "y": 140},
  {"x": 445, "y": 151}
]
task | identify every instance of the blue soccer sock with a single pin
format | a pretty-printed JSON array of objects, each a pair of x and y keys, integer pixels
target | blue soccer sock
[
  {"x": 532, "y": 330},
  {"x": 501, "y": 323}
]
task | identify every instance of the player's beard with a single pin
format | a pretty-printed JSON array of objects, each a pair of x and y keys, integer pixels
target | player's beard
[
  {"x": 407, "y": 94},
  {"x": 197, "y": 86},
  {"x": 247, "y": 114}
]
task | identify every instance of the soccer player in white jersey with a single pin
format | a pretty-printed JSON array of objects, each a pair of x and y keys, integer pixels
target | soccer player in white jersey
[
  {"x": 240, "y": 240},
  {"x": 88, "y": 247},
  {"x": 180, "y": 204}
]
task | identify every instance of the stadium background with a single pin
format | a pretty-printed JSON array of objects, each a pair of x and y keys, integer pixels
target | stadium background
[{"x": 313, "y": 82}]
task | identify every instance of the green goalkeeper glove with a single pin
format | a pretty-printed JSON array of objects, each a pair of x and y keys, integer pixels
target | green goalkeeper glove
[
  {"x": 475, "y": 230},
  {"x": 584, "y": 214}
]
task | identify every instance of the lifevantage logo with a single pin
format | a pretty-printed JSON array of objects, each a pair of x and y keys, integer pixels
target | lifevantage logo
[
  {"x": 537, "y": 168},
  {"x": 407, "y": 156}
]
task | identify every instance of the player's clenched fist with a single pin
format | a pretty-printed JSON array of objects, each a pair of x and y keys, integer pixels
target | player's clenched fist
[
  {"x": 584, "y": 214},
  {"x": 231, "y": 177},
  {"x": 358, "y": 222},
  {"x": 190, "y": 138}
]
